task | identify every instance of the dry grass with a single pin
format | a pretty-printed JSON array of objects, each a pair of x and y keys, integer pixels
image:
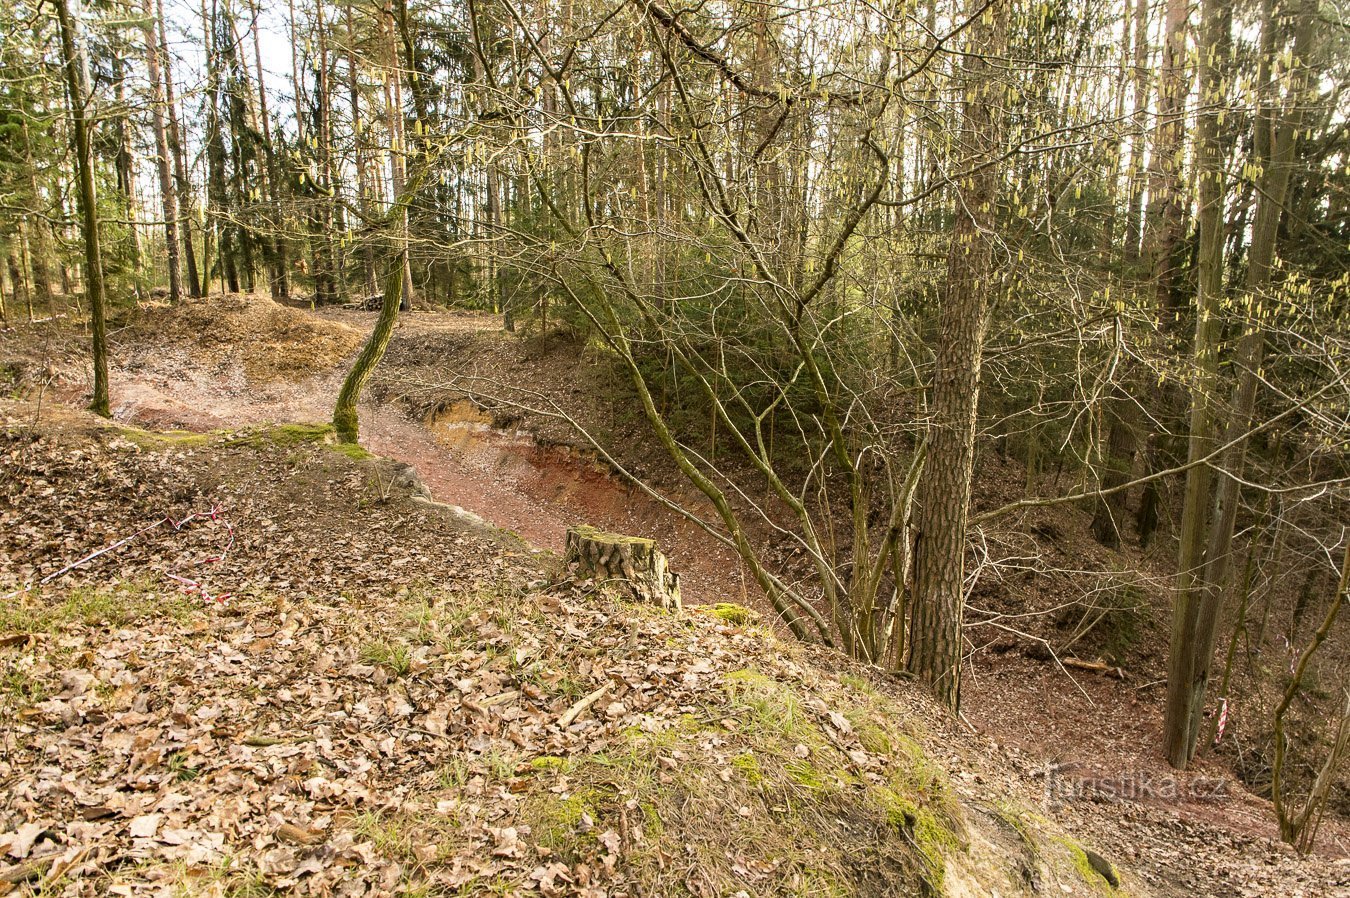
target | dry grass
[{"x": 272, "y": 342}]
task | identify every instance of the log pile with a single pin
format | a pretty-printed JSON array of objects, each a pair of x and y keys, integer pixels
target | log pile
[{"x": 630, "y": 561}]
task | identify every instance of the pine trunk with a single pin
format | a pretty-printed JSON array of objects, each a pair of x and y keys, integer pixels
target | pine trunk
[{"x": 944, "y": 492}]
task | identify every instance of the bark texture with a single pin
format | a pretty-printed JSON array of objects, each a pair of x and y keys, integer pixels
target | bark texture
[
  {"x": 633, "y": 561},
  {"x": 944, "y": 491}
]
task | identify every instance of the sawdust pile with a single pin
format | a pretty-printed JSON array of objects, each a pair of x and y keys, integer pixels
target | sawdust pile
[{"x": 270, "y": 341}]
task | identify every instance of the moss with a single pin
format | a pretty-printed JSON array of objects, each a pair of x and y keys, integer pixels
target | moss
[
  {"x": 551, "y": 762},
  {"x": 804, "y": 774},
  {"x": 297, "y": 434},
  {"x": 748, "y": 766},
  {"x": 916, "y": 775},
  {"x": 734, "y": 614},
  {"x": 750, "y": 679},
  {"x": 604, "y": 536},
  {"x": 689, "y": 723},
  {"x": 351, "y": 450},
  {"x": 556, "y": 821},
  {"x": 925, "y": 829},
  {"x": 285, "y": 435},
  {"x": 1012, "y": 818},
  {"x": 1078, "y": 856},
  {"x": 873, "y": 738}
]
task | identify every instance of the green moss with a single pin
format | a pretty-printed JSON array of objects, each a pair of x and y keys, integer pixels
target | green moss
[
  {"x": 351, "y": 450},
  {"x": 551, "y": 762},
  {"x": 605, "y": 536},
  {"x": 804, "y": 773},
  {"x": 285, "y": 435},
  {"x": 689, "y": 723},
  {"x": 873, "y": 737},
  {"x": 748, "y": 766},
  {"x": 1078, "y": 857},
  {"x": 297, "y": 434},
  {"x": 925, "y": 829},
  {"x": 556, "y": 821},
  {"x": 1012, "y": 818},
  {"x": 735, "y": 614},
  {"x": 915, "y": 775}
]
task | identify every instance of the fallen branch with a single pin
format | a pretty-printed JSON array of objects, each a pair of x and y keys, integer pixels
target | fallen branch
[
  {"x": 1096, "y": 667},
  {"x": 580, "y": 707}
]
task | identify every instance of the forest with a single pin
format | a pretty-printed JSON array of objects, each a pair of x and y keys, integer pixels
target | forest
[{"x": 994, "y": 351}]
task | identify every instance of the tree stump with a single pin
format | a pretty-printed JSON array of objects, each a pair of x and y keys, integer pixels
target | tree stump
[{"x": 635, "y": 562}]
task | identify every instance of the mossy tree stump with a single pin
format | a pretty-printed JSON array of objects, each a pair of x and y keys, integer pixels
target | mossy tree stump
[{"x": 634, "y": 561}]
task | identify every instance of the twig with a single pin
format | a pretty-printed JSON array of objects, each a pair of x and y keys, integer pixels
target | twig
[{"x": 580, "y": 707}]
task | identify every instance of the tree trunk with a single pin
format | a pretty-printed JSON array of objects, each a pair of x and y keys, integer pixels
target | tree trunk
[
  {"x": 944, "y": 492},
  {"x": 1163, "y": 224},
  {"x": 279, "y": 282},
  {"x": 629, "y": 560},
  {"x": 1134, "y": 215},
  {"x": 77, "y": 80},
  {"x": 180, "y": 176},
  {"x": 1187, "y": 641},
  {"x": 125, "y": 166},
  {"x": 398, "y": 161},
  {"x": 363, "y": 202},
  {"x": 1275, "y": 140},
  {"x": 1118, "y": 461},
  {"x": 345, "y": 419},
  {"x": 163, "y": 160},
  {"x": 38, "y": 244}
]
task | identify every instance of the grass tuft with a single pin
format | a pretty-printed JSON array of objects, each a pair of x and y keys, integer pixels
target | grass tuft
[{"x": 392, "y": 655}]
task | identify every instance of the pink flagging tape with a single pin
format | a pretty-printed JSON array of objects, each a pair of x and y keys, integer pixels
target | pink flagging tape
[
  {"x": 192, "y": 586},
  {"x": 189, "y": 585}
]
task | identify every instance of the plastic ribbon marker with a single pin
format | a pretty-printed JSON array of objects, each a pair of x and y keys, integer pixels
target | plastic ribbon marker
[{"x": 189, "y": 585}]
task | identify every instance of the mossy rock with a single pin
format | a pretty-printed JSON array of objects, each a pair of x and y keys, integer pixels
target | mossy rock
[{"x": 732, "y": 613}]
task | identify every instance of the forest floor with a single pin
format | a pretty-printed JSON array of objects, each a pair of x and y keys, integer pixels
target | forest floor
[{"x": 388, "y": 675}]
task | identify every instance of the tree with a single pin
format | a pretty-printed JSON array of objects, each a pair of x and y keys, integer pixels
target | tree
[
  {"x": 944, "y": 491},
  {"x": 1208, "y": 525},
  {"x": 346, "y": 422},
  {"x": 77, "y": 81},
  {"x": 163, "y": 159}
]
